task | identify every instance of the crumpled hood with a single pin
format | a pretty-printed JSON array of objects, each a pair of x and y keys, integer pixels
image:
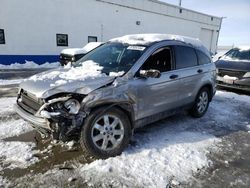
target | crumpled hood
[
  {"x": 45, "y": 87},
  {"x": 233, "y": 65}
]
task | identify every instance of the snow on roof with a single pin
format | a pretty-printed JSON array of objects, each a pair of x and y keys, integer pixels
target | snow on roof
[
  {"x": 73, "y": 51},
  {"x": 87, "y": 48},
  {"x": 144, "y": 39}
]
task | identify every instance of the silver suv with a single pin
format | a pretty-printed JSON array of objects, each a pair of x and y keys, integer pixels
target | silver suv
[{"x": 122, "y": 85}]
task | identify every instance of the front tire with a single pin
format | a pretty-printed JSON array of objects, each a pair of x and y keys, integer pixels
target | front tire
[
  {"x": 105, "y": 133},
  {"x": 201, "y": 103}
]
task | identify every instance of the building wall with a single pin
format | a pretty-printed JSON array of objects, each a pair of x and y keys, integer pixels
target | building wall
[{"x": 31, "y": 26}]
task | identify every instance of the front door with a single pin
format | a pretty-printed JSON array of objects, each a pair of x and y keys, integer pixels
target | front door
[{"x": 157, "y": 95}]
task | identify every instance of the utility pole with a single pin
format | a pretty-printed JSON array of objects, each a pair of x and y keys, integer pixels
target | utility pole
[{"x": 180, "y": 3}]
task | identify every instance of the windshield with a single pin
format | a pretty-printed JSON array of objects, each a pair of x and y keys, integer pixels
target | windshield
[
  {"x": 114, "y": 57},
  {"x": 238, "y": 54}
]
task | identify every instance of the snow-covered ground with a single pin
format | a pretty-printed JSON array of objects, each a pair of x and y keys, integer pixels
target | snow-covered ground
[
  {"x": 10, "y": 82},
  {"x": 30, "y": 65},
  {"x": 167, "y": 152}
]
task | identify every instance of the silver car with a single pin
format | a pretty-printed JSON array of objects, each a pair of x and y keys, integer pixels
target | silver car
[{"x": 124, "y": 84}]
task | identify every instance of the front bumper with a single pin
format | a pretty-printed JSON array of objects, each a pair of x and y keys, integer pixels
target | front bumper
[
  {"x": 241, "y": 84},
  {"x": 38, "y": 122}
]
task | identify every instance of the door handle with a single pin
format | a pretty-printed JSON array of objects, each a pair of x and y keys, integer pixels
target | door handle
[
  {"x": 174, "y": 76},
  {"x": 200, "y": 71}
]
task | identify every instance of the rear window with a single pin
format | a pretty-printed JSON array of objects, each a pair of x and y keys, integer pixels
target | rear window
[
  {"x": 203, "y": 58},
  {"x": 185, "y": 57}
]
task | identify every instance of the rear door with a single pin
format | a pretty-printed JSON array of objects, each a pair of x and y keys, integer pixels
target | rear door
[{"x": 189, "y": 73}]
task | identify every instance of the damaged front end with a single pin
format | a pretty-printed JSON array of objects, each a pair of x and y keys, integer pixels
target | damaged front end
[{"x": 60, "y": 116}]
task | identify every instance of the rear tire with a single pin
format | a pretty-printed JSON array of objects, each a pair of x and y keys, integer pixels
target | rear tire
[
  {"x": 201, "y": 103},
  {"x": 105, "y": 133}
]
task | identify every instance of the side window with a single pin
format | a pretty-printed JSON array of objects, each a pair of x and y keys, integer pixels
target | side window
[
  {"x": 203, "y": 58},
  {"x": 185, "y": 57},
  {"x": 160, "y": 60}
]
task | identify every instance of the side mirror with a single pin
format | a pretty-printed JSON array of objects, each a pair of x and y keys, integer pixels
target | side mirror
[{"x": 152, "y": 73}]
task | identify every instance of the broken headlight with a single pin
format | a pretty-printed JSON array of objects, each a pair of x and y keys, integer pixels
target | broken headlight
[{"x": 73, "y": 106}]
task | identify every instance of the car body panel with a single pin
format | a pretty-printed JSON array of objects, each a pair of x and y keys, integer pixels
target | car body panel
[
  {"x": 141, "y": 97},
  {"x": 44, "y": 88},
  {"x": 231, "y": 72}
]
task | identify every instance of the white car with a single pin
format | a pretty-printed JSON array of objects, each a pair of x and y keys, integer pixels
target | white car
[{"x": 74, "y": 54}]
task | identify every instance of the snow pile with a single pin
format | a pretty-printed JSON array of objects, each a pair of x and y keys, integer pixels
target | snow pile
[
  {"x": 156, "y": 162},
  {"x": 14, "y": 154},
  {"x": 17, "y": 154},
  {"x": 159, "y": 158},
  {"x": 12, "y": 127},
  {"x": 10, "y": 123},
  {"x": 5, "y": 106},
  {"x": 87, "y": 70},
  {"x": 30, "y": 65},
  {"x": 234, "y": 96}
]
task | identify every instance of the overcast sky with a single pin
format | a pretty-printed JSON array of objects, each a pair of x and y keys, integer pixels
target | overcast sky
[{"x": 236, "y": 26}]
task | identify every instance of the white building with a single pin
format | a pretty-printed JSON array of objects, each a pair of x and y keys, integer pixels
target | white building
[{"x": 39, "y": 29}]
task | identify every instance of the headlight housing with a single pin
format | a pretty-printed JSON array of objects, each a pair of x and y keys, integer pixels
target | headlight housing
[
  {"x": 247, "y": 75},
  {"x": 73, "y": 106}
]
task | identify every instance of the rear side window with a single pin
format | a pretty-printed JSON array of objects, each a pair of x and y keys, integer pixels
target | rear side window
[
  {"x": 185, "y": 57},
  {"x": 203, "y": 59}
]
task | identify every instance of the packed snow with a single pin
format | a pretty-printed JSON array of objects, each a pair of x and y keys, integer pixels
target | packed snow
[
  {"x": 14, "y": 154},
  {"x": 30, "y": 65},
  {"x": 10, "y": 82},
  {"x": 17, "y": 154}
]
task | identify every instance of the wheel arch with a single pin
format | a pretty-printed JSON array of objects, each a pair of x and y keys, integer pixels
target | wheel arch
[
  {"x": 210, "y": 89},
  {"x": 125, "y": 107}
]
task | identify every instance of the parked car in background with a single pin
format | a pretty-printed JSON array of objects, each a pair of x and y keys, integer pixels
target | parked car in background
[
  {"x": 233, "y": 69},
  {"x": 124, "y": 84},
  {"x": 74, "y": 54}
]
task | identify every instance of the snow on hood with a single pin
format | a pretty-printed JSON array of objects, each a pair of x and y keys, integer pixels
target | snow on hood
[
  {"x": 82, "y": 79},
  {"x": 74, "y": 51},
  {"x": 89, "y": 69}
]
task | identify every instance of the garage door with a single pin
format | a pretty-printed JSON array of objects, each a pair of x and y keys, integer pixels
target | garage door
[{"x": 206, "y": 37}]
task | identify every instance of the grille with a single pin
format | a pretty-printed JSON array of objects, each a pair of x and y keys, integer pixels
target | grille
[
  {"x": 238, "y": 74},
  {"x": 29, "y": 102}
]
